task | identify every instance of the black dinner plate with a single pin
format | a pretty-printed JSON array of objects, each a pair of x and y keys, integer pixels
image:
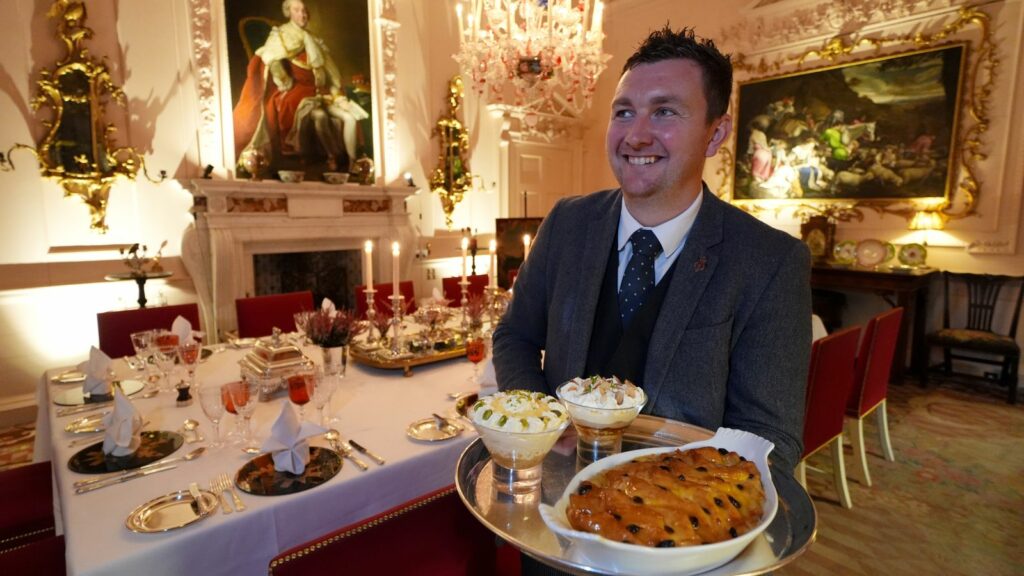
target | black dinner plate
[
  {"x": 156, "y": 445},
  {"x": 259, "y": 477}
]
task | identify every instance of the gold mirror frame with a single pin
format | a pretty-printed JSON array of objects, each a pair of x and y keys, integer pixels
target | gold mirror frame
[
  {"x": 451, "y": 179},
  {"x": 982, "y": 69},
  {"x": 78, "y": 150}
]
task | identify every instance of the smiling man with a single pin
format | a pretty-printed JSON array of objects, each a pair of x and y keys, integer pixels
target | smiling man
[{"x": 659, "y": 281}]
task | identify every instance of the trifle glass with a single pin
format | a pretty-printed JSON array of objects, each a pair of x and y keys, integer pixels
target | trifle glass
[
  {"x": 601, "y": 409},
  {"x": 518, "y": 428}
]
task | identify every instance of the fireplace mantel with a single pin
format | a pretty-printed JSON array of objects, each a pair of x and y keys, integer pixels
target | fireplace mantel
[{"x": 237, "y": 219}]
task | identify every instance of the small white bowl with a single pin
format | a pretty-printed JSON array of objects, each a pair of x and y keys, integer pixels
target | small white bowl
[
  {"x": 618, "y": 557},
  {"x": 291, "y": 176},
  {"x": 336, "y": 177}
]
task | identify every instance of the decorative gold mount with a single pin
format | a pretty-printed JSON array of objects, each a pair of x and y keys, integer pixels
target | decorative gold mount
[
  {"x": 983, "y": 68},
  {"x": 78, "y": 150},
  {"x": 451, "y": 179}
]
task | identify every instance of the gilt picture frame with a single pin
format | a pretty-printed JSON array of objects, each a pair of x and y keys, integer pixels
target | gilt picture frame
[{"x": 881, "y": 129}]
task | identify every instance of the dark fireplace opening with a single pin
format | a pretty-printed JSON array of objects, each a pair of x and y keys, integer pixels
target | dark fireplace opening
[{"x": 330, "y": 274}]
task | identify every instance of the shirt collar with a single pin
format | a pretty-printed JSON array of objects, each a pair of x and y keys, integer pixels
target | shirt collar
[{"x": 670, "y": 233}]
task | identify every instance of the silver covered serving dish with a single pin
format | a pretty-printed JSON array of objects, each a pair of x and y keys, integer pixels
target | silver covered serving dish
[{"x": 272, "y": 360}]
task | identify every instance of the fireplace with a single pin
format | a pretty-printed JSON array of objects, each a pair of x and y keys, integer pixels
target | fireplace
[
  {"x": 330, "y": 274},
  {"x": 238, "y": 223}
]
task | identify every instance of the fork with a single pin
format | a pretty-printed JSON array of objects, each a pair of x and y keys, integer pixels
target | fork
[
  {"x": 230, "y": 487},
  {"x": 218, "y": 489}
]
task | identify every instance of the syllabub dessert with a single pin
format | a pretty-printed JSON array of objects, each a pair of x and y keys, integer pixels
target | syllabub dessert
[
  {"x": 677, "y": 498},
  {"x": 519, "y": 427},
  {"x": 602, "y": 403}
]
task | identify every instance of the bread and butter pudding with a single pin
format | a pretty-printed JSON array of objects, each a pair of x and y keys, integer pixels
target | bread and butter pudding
[{"x": 678, "y": 498}]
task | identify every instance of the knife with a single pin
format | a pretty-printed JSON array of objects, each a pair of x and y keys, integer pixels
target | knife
[
  {"x": 88, "y": 407},
  {"x": 358, "y": 447},
  {"x": 445, "y": 422},
  {"x": 109, "y": 476},
  {"x": 131, "y": 476}
]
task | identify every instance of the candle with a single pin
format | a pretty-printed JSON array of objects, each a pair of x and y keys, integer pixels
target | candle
[
  {"x": 465, "y": 247},
  {"x": 396, "y": 251},
  {"x": 458, "y": 16},
  {"x": 526, "y": 246},
  {"x": 595, "y": 25},
  {"x": 493, "y": 247},
  {"x": 368, "y": 264}
]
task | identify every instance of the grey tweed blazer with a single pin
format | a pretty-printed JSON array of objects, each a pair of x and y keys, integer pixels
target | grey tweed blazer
[{"x": 731, "y": 345}]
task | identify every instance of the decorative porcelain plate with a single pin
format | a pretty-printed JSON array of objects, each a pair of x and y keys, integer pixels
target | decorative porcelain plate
[
  {"x": 156, "y": 445},
  {"x": 845, "y": 252},
  {"x": 913, "y": 254},
  {"x": 259, "y": 477},
  {"x": 871, "y": 253}
]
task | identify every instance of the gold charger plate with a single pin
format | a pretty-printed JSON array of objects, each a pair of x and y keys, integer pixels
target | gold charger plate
[
  {"x": 75, "y": 396},
  {"x": 171, "y": 511},
  {"x": 427, "y": 430}
]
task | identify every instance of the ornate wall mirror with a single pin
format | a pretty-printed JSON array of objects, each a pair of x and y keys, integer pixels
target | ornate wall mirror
[
  {"x": 78, "y": 149},
  {"x": 451, "y": 179}
]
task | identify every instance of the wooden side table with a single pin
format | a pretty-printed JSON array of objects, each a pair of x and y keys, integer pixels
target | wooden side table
[{"x": 140, "y": 279}]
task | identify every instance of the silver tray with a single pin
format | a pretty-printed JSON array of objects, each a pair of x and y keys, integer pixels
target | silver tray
[
  {"x": 517, "y": 519},
  {"x": 171, "y": 511}
]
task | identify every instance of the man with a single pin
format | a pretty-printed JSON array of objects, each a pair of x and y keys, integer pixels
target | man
[
  {"x": 706, "y": 308},
  {"x": 304, "y": 96}
]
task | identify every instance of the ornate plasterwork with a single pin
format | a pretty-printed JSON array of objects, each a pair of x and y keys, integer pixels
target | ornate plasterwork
[
  {"x": 785, "y": 26},
  {"x": 975, "y": 122},
  {"x": 201, "y": 21},
  {"x": 388, "y": 23},
  {"x": 366, "y": 205}
]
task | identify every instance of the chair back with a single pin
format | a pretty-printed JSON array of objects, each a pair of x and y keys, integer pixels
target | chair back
[
  {"x": 116, "y": 327},
  {"x": 259, "y": 315},
  {"x": 874, "y": 362},
  {"x": 382, "y": 297},
  {"x": 982, "y": 299},
  {"x": 453, "y": 291},
  {"x": 829, "y": 381},
  {"x": 432, "y": 534}
]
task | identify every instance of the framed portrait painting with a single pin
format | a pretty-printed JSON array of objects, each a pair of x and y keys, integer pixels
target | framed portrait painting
[
  {"x": 300, "y": 75},
  {"x": 511, "y": 250},
  {"x": 879, "y": 129}
]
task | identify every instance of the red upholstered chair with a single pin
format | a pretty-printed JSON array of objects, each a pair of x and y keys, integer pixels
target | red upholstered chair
[
  {"x": 40, "y": 558},
  {"x": 432, "y": 534},
  {"x": 453, "y": 292},
  {"x": 259, "y": 315},
  {"x": 829, "y": 382},
  {"x": 116, "y": 327},
  {"x": 382, "y": 298},
  {"x": 26, "y": 499},
  {"x": 871, "y": 383}
]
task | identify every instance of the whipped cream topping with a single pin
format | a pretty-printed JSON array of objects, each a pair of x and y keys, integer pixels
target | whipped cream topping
[
  {"x": 598, "y": 392},
  {"x": 519, "y": 411}
]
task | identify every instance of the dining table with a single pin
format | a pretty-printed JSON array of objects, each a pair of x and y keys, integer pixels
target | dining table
[{"x": 371, "y": 405}]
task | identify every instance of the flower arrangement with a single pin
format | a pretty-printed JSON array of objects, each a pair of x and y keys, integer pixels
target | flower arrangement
[
  {"x": 329, "y": 329},
  {"x": 382, "y": 319},
  {"x": 476, "y": 305},
  {"x": 134, "y": 257}
]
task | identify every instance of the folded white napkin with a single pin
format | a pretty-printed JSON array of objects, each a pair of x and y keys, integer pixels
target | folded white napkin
[
  {"x": 183, "y": 329},
  {"x": 97, "y": 373},
  {"x": 328, "y": 306},
  {"x": 287, "y": 442},
  {"x": 123, "y": 427},
  {"x": 488, "y": 381}
]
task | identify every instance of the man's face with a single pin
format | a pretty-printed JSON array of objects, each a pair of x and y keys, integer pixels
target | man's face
[
  {"x": 298, "y": 14},
  {"x": 658, "y": 135}
]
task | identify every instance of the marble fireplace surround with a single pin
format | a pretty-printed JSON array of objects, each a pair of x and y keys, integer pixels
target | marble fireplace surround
[{"x": 236, "y": 220}]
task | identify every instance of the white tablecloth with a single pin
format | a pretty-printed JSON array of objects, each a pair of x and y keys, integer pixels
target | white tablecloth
[{"x": 375, "y": 407}]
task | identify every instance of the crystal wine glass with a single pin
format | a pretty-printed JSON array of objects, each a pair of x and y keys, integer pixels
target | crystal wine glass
[
  {"x": 225, "y": 397},
  {"x": 213, "y": 407},
  {"x": 141, "y": 341},
  {"x": 323, "y": 389},
  {"x": 165, "y": 356},
  {"x": 300, "y": 386},
  {"x": 189, "y": 353},
  {"x": 476, "y": 351},
  {"x": 245, "y": 396}
]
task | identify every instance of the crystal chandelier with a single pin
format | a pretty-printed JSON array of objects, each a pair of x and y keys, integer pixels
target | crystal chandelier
[{"x": 538, "y": 55}]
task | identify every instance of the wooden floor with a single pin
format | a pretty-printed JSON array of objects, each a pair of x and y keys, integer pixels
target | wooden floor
[{"x": 952, "y": 502}]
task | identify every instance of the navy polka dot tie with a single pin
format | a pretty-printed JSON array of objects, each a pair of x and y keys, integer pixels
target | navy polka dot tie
[{"x": 638, "y": 279}]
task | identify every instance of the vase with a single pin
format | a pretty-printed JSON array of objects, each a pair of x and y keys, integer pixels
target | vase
[{"x": 335, "y": 359}]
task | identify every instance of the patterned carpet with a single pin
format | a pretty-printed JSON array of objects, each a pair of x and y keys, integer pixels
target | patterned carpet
[{"x": 951, "y": 503}]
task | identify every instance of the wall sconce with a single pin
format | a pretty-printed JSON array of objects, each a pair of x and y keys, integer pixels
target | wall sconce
[
  {"x": 78, "y": 150},
  {"x": 451, "y": 179},
  {"x": 408, "y": 179},
  {"x": 927, "y": 221}
]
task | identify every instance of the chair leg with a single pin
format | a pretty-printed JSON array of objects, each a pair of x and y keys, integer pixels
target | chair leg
[
  {"x": 883, "y": 431},
  {"x": 857, "y": 438},
  {"x": 839, "y": 473},
  {"x": 801, "y": 474}
]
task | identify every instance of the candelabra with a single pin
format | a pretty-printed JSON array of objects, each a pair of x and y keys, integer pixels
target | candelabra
[
  {"x": 397, "y": 312},
  {"x": 492, "y": 305},
  {"x": 464, "y": 287},
  {"x": 371, "y": 313}
]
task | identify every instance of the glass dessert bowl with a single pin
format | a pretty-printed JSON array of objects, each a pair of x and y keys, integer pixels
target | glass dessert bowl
[
  {"x": 601, "y": 408},
  {"x": 518, "y": 428}
]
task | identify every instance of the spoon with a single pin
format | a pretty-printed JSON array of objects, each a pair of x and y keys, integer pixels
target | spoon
[
  {"x": 334, "y": 437},
  {"x": 191, "y": 426},
  {"x": 187, "y": 457}
]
